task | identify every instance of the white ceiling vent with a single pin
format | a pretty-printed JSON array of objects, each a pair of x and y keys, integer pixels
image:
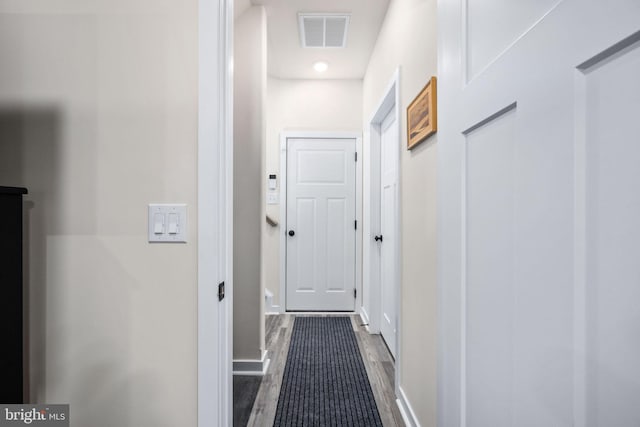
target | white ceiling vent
[{"x": 323, "y": 29}]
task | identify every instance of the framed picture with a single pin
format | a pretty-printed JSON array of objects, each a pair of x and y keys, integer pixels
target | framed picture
[{"x": 422, "y": 117}]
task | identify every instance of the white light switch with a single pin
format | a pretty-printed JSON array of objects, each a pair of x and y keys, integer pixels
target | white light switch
[
  {"x": 168, "y": 223},
  {"x": 173, "y": 223},
  {"x": 158, "y": 223}
]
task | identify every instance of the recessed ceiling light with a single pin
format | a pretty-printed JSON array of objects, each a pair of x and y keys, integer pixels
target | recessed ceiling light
[{"x": 320, "y": 66}]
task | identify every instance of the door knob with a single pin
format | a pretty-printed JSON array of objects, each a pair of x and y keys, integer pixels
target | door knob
[
  {"x": 292, "y": 233},
  {"x": 378, "y": 238}
]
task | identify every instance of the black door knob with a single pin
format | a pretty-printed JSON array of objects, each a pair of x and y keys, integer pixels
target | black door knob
[
  {"x": 292, "y": 233},
  {"x": 378, "y": 238}
]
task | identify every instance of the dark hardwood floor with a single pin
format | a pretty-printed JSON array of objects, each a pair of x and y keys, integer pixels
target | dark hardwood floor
[
  {"x": 245, "y": 390},
  {"x": 377, "y": 360}
]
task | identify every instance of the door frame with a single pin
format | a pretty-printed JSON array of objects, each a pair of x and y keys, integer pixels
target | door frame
[
  {"x": 284, "y": 136},
  {"x": 215, "y": 212},
  {"x": 372, "y": 314}
]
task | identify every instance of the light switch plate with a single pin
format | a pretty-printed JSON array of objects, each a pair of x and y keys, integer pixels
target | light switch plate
[{"x": 166, "y": 234}]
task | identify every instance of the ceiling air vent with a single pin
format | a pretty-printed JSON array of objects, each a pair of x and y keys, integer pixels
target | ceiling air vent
[{"x": 323, "y": 30}]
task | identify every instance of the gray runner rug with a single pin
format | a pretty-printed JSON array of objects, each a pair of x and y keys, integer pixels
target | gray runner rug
[{"x": 325, "y": 382}]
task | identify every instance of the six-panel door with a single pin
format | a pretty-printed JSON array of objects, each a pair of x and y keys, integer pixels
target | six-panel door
[{"x": 321, "y": 233}]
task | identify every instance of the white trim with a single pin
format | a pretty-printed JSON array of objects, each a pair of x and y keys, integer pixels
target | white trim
[
  {"x": 215, "y": 212},
  {"x": 283, "y": 222},
  {"x": 391, "y": 96},
  {"x": 273, "y": 309},
  {"x": 398, "y": 365},
  {"x": 364, "y": 316},
  {"x": 371, "y": 258},
  {"x": 463, "y": 285},
  {"x": 360, "y": 224},
  {"x": 390, "y": 101},
  {"x": 254, "y": 367},
  {"x": 269, "y": 307},
  {"x": 580, "y": 251},
  {"x": 284, "y": 136},
  {"x": 408, "y": 415},
  {"x": 371, "y": 261}
]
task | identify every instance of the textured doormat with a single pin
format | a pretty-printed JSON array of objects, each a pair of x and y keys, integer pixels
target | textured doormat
[{"x": 325, "y": 382}]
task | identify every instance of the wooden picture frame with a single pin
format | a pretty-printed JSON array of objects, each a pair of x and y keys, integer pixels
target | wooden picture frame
[{"x": 422, "y": 115}]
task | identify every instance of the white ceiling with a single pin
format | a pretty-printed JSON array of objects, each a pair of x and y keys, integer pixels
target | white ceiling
[{"x": 286, "y": 59}]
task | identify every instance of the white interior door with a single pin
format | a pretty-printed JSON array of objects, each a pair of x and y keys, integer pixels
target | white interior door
[
  {"x": 388, "y": 225},
  {"x": 321, "y": 227},
  {"x": 539, "y": 213}
]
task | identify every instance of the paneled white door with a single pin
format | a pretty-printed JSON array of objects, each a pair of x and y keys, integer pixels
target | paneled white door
[
  {"x": 321, "y": 228},
  {"x": 539, "y": 220},
  {"x": 388, "y": 240}
]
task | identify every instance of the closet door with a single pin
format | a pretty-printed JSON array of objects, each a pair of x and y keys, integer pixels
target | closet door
[{"x": 539, "y": 213}]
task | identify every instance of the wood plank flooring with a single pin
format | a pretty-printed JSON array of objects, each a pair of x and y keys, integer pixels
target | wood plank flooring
[
  {"x": 245, "y": 390},
  {"x": 377, "y": 360}
]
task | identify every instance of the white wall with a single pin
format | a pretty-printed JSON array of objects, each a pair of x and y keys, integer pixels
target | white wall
[
  {"x": 98, "y": 118},
  {"x": 250, "y": 74},
  {"x": 408, "y": 40},
  {"x": 320, "y": 105}
]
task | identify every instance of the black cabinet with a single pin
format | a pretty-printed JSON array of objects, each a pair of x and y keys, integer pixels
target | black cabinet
[{"x": 11, "y": 347}]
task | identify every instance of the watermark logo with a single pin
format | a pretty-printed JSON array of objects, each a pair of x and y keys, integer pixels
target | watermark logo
[{"x": 34, "y": 415}]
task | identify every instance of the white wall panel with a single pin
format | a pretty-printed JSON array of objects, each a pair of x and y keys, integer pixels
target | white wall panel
[
  {"x": 494, "y": 25},
  {"x": 612, "y": 237},
  {"x": 490, "y": 293},
  {"x": 538, "y": 269}
]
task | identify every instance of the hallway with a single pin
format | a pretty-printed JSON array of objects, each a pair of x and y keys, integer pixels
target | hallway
[
  {"x": 344, "y": 126},
  {"x": 376, "y": 357},
  {"x": 493, "y": 242}
]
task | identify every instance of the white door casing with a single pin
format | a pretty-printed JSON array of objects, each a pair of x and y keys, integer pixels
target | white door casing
[
  {"x": 538, "y": 213},
  {"x": 388, "y": 225},
  {"x": 372, "y": 300},
  {"x": 320, "y": 224},
  {"x": 215, "y": 212}
]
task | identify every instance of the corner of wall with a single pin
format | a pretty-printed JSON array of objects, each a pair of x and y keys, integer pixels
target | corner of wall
[{"x": 249, "y": 134}]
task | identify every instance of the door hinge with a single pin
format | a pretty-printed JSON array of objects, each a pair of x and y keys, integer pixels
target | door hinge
[
  {"x": 220, "y": 291},
  {"x": 356, "y": 157},
  {"x": 355, "y": 224},
  {"x": 355, "y": 292}
]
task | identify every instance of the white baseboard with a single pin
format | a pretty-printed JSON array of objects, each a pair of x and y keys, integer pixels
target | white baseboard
[
  {"x": 365, "y": 318},
  {"x": 274, "y": 309},
  {"x": 408, "y": 416},
  {"x": 251, "y": 367},
  {"x": 269, "y": 307}
]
